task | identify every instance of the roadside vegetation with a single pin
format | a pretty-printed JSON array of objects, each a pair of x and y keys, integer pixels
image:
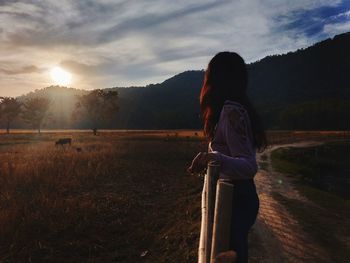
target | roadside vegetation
[
  {"x": 325, "y": 167},
  {"x": 322, "y": 175}
]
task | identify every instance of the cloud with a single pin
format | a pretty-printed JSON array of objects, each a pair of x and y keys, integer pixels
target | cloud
[
  {"x": 150, "y": 20},
  {"x": 311, "y": 22},
  {"x": 81, "y": 28},
  {"x": 22, "y": 70},
  {"x": 79, "y": 68},
  {"x": 336, "y": 28},
  {"x": 109, "y": 43}
]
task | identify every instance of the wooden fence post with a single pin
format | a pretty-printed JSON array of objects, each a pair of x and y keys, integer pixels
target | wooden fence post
[
  {"x": 216, "y": 215},
  {"x": 222, "y": 218},
  {"x": 202, "y": 238},
  {"x": 212, "y": 176},
  {"x": 208, "y": 206}
]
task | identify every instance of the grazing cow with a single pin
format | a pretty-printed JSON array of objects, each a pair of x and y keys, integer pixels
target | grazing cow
[{"x": 63, "y": 141}]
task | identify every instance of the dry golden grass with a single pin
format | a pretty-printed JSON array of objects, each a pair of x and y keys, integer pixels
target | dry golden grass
[{"x": 120, "y": 199}]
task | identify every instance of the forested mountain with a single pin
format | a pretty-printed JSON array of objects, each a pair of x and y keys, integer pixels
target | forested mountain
[
  {"x": 309, "y": 85},
  {"x": 171, "y": 104},
  {"x": 305, "y": 89}
]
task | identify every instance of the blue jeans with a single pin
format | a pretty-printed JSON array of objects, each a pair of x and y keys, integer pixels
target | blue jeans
[{"x": 245, "y": 209}]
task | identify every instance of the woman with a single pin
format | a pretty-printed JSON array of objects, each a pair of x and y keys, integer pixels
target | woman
[{"x": 234, "y": 132}]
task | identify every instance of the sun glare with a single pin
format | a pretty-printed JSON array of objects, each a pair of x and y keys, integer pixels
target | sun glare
[{"x": 60, "y": 76}]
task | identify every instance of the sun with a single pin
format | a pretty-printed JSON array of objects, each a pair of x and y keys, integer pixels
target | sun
[{"x": 60, "y": 76}]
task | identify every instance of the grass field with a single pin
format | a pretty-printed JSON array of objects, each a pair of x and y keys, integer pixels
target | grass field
[
  {"x": 122, "y": 198},
  {"x": 325, "y": 167},
  {"x": 117, "y": 197},
  {"x": 322, "y": 175}
]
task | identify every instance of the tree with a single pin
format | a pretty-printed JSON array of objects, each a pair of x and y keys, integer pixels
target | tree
[
  {"x": 97, "y": 107},
  {"x": 10, "y": 108},
  {"x": 35, "y": 110}
]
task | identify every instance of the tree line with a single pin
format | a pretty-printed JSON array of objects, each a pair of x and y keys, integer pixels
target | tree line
[
  {"x": 96, "y": 108},
  {"x": 306, "y": 89}
]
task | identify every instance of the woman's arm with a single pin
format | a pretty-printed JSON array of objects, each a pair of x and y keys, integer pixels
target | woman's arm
[{"x": 236, "y": 131}]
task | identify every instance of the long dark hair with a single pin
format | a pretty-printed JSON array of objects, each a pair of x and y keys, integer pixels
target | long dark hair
[{"x": 226, "y": 78}]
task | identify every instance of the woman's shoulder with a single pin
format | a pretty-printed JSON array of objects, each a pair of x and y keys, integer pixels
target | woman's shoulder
[
  {"x": 234, "y": 103},
  {"x": 230, "y": 105},
  {"x": 234, "y": 112},
  {"x": 235, "y": 120}
]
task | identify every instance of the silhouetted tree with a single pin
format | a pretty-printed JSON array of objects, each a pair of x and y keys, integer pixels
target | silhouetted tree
[
  {"x": 97, "y": 107},
  {"x": 35, "y": 110},
  {"x": 10, "y": 108}
]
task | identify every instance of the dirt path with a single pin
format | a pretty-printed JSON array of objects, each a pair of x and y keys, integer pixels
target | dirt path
[{"x": 277, "y": 236}]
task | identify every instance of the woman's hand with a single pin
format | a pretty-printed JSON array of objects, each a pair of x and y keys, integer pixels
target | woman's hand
[{"x": 200, "y": 162}]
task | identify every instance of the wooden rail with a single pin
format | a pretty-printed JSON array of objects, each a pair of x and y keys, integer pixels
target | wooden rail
[{"x": 216, "y": 215}]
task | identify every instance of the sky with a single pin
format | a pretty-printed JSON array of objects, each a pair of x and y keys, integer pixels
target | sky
[{"x": 105, "y": 43}]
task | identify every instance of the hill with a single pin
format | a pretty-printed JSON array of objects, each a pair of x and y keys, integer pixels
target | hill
[
  {"x": 305, "y": 89},
  {"x": 310, "y": 85}
]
